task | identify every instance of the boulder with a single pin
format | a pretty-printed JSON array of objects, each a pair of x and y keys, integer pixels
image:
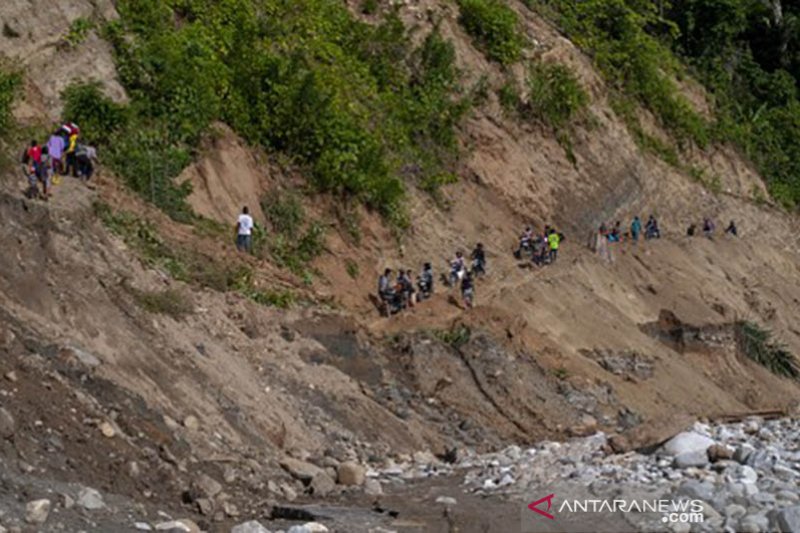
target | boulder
[
  {"x": 351, "y": 474},
  {"x": 697, "y": 490},
  {"x": 619, "y": 443},
  {"x": 686, "y": 442},
  {"x": 719, "y": 452},
  {"x": 302, "y": 470},
  {"x": 310, "y": 527},
  {"x": 754, "y": 523},
  {"x": 322, "y": 484},
  {"x": 788, "y": 520},
  {"x": 697, "y": 458},
  {"x": 90, "y": 499},
  {"x": 372, "y": 487},
  {"x": 37, "y": 511},
  {"x": 207, "y": 486},
  {"x": 184, "y": 525},
  {"x": 250, "y": 527}
]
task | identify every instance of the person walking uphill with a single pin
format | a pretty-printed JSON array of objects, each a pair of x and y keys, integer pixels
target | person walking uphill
[
  {"x": 636, "y": 228},
  {"x": 244, "y": 231},
  {"x": 554, "y": 239}
]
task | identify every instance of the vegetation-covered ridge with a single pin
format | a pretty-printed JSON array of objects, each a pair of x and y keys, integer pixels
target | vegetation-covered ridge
[
  {"x": 360, "y": 107},
  {"x": 745, "y": 52}
]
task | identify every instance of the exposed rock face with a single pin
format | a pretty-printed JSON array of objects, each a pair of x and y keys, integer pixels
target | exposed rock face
[{"x": 34, "y": 33}]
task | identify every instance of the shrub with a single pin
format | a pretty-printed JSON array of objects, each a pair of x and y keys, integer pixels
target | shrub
[
  {"x": 98, "y": 116},
  {"x": 556, "y": 96},
  {"x": 495, "y": 27},
  {"x": 455, "y": 337},
  {"x": 757, "y": 344},
  {"x": 78, "y": 31}
]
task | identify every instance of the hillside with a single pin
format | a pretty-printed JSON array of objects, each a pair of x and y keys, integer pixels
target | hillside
[{"x": 145, "y": 358}]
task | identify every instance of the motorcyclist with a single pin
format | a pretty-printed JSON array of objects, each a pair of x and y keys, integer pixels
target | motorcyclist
[
  {"x": 456, "y": 268},
  {"x": 425, "y": 282}
]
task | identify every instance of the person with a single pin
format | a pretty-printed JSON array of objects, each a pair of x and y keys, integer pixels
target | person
[
  {"x": 651, "y": 230},
  {"x": 44, "y": 172},
  {"x": 55, "y": 146},
  {"x": 406, "y": 285},
  {"x": 35, "y": 156},
  {"x": 244, "y": 231},
  {"x": 539, "y": 250},
  {"x": 554, "y": 240},
  {"x": 691, "y": 230},
  {"x": 601, "y": 243},
  {"x": 84, "y": 157},
  {"x": 468, "y": 290},
  {"x": 456, "y": 269},
  {"x": 29, "y": 172},
  {"x": 731, "y": 229},
  {"x": 478, "y": 260},
  {"x": 524, "y": 242},
  {"x": 386, "y": 292},
  {"x": 636, "y": 228},
  {"x": 425, "y": 282},
  {"x": 616, "y": 233},
  {"x": 71, "y": 145},
  {"x": 708, "y": 228}
]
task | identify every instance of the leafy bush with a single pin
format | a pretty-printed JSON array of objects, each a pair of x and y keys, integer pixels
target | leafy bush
[
  {"x": 9, "y": 85},
  {"x": 98, "y": 116},
  {"x": 615, "y": 32},
  {"x": 358, "y": 106},
  {"x": 495, "y": 27},
  {"x": 757, "y": 344},
  {"x": 556, "y": 96}
]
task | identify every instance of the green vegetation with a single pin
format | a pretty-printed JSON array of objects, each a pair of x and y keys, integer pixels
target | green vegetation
[
  {"x": 456, "y": 337},
  {"x": 78, "y": 31},
  {"x": 357, "y": 106},
  {"x": 745, "y": 52},
  {"x": 556, "y": 96},
  {"x": 495, "y": 28},
  {"x": 296, "y": 240},
  {"x": 10, "y": 81},
  {"x": 189, "y": 266},
  {"x": 169, "y": 302},
  {"x": 352, "y": 268},
  {"x": 757, "y": 344}
]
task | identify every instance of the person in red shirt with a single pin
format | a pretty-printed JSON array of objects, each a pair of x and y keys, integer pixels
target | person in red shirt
[{"x": 35, "y": 153}]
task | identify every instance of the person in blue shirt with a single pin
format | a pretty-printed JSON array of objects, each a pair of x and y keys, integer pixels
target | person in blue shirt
[{"x": 636, "y": 228}]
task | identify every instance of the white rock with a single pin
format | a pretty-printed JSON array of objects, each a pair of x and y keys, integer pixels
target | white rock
[
  {"x": 446, "y": 500},
  {"x": 686, "y": 442},
  {"x": 142, "y": 526},
  {"x": 250, "y": 527},
  {"x": 90, "y": 499},
  {"x": 36, "y": 511},
  {"x": 310, "y": 527}
]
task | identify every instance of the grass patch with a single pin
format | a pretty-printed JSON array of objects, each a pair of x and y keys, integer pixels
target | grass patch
[
  {"x": 169, "y": 302},
  {"x": 78, "y": 31},
  {"x": 352, "y": 268},
  {"x": 757, "y": 344},
  {"x": 455, "y": 337}
]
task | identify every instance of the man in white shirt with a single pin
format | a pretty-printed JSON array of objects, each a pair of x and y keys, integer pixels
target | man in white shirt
[{"x": 244, "y": 231}]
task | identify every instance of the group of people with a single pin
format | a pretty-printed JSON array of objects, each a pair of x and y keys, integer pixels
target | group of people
[
  {"x": 63, "y": 154},
  {"x": 404, "y": 291},
  {"x": 542, "y": 247},
  {"x": 709, "y": 228}
]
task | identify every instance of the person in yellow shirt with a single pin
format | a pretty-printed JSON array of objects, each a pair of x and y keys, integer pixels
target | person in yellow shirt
[
  {"x": 553, "y": 239},
  {"x": 72, "y": 160}
]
